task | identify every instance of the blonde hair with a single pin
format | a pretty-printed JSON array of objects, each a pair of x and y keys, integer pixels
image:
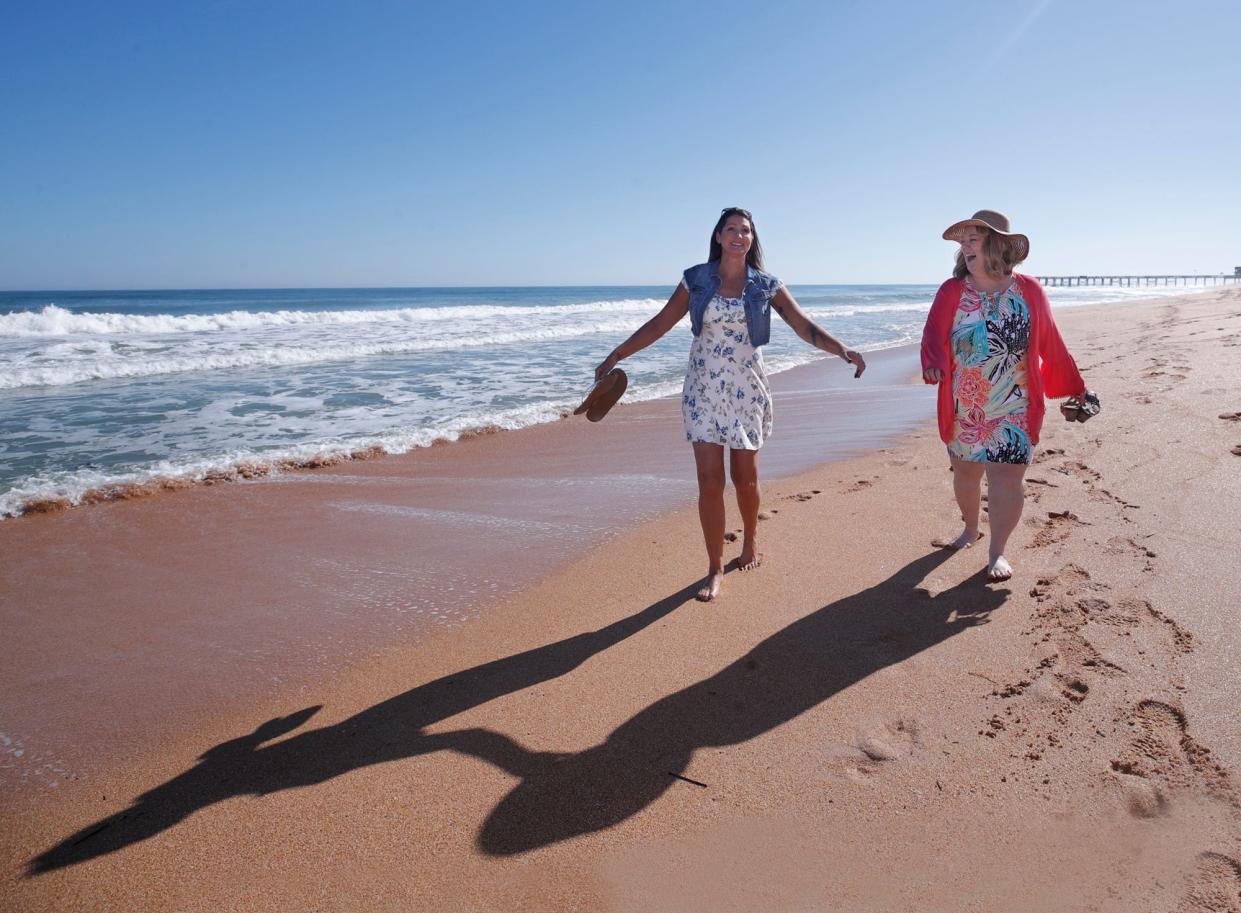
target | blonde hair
[{"x": 999, "y": 255}]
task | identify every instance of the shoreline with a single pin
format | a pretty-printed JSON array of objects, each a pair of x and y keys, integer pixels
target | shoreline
[
  {"x": 135, "y": 486},
  {"x": 831, "y": 715}
]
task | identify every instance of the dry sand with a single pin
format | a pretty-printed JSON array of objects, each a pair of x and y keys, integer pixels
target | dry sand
[{"x": 861, "y": 724}]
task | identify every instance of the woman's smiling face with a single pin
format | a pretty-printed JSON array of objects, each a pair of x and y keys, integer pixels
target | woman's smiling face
[
  {"x": 971, "y": 250},
  {"x": 736, "y": 236}
]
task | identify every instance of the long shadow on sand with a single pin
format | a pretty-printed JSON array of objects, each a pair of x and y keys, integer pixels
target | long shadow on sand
[
  {"x": 798, "y": 667},
  {"x": 388, "y": 731},
  {"x": 563, "y": 795}
]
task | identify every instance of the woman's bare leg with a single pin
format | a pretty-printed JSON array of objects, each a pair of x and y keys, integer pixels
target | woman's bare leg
[
  {"x": 743, "y": 466},
  {"x": 1005, "y": 498},
  {"x": 709, "y": 459},
  {"x": 967, "y": 487}
]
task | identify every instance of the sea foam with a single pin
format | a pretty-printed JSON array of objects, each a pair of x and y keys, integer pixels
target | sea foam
[
  {"x": 74, "y": 363},
  {"x": 53, "y": 320}
]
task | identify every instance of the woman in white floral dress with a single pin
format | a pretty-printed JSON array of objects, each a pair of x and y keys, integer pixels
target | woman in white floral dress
[{"x": 726, "y": 400}]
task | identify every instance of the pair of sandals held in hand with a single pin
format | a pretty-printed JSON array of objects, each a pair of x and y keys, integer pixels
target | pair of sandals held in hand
[{"x": 1081, "y": 408}]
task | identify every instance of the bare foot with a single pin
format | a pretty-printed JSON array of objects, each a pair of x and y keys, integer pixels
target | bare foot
[
  {"x": 710, "y": 586},
  {"x": 999, "y": 569},
  {"x": 966, "y": 540},
  {"x": 749, "y": 558}
]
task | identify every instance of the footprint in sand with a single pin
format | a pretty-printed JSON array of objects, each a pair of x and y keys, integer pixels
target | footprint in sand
[
  {"x": 1083, "y": 603},
  {"x": 1182, "y": 640},
  {"x": 1058, "y": 526},
  {"x": 1164, "y": 753},
  {"x": 1102, "y": 494},
  {"x": 883, "y": 741},
  {"x": 1069, "y": 578},
  {"x": 876, "y": 744},
  {"x": 1124, "y": 545},
  {"x": 1142, "y": 798},
  {"x": 1215, "y": 886},
  {"x": 1075, "y": 657},
  {"x": 1071, "y": 660},
  {"x": 1068, "y": 605},
  {"x": 1077, "y": 468},
  {"x": 1156, "y": 369}
]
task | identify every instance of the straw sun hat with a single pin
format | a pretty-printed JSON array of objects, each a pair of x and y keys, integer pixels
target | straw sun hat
[{"x": 998, "y": 223}]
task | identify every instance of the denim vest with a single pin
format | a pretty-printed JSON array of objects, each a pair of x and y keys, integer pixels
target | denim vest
[{"x": 703, "y": 281}]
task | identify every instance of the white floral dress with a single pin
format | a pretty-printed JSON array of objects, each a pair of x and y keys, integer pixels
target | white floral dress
[{"x": 726, "y": 398}]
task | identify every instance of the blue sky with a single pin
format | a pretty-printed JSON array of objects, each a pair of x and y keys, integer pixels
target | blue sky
[{"x": 243, "y": 144}]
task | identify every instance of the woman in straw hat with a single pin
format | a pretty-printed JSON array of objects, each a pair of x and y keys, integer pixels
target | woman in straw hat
[
  {"x": 726, "y": 400},
  {"x": 991, "y": 345}
]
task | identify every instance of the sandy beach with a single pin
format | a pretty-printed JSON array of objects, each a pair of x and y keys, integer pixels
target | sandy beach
[{"x": 475, "y": 678}]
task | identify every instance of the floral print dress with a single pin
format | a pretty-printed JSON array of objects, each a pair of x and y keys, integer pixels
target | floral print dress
[
  {"x": 990, "y": 338},
  {"x": 726, "y": 398}
]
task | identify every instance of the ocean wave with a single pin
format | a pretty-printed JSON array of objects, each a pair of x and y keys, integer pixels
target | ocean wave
[
  {"x": 60, "y": 490},
  {"x": 53, "y": 320},
  {"x": 854, "y": 310},
  {"x": 71, "y": 488},
  {"x": 101, "y": 365}
]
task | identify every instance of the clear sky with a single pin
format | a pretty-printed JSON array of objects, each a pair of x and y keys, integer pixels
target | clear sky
[{"x": 253, "y": 144}]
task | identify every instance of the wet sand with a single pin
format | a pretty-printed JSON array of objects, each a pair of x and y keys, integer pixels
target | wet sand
[{"x": 862, "y": 723}]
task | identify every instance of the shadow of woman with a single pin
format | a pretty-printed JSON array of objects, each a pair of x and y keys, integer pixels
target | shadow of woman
[
  {"x": 388, "y": 731},
  {"x": 798, "y": 667},
  {"x": 564, "y": 795}
]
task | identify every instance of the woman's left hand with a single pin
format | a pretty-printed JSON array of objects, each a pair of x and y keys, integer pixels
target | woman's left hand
[
  {"x": 605, "y": 366},
  {"x": 855, "y": 358}
]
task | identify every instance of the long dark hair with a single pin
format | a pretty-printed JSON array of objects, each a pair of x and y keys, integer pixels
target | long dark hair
[{"x": 754, "y": 256}]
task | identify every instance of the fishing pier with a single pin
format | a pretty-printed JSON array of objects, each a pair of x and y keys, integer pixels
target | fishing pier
[{"x": 1201, "y": 279}]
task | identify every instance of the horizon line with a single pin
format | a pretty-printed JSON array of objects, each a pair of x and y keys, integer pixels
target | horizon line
[{"x": 328, "y": 288}]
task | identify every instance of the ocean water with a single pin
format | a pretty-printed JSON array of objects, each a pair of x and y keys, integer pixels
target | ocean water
[{"x": 100, "y": 391}]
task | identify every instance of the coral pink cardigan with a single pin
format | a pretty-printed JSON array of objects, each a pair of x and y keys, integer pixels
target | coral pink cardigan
[{"x": 1050, "y": 369}]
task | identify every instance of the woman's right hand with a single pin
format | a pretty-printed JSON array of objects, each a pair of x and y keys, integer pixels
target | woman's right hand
[
  {"x": 932, "y": 375},
  {"x": 605, "y": 366}
]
